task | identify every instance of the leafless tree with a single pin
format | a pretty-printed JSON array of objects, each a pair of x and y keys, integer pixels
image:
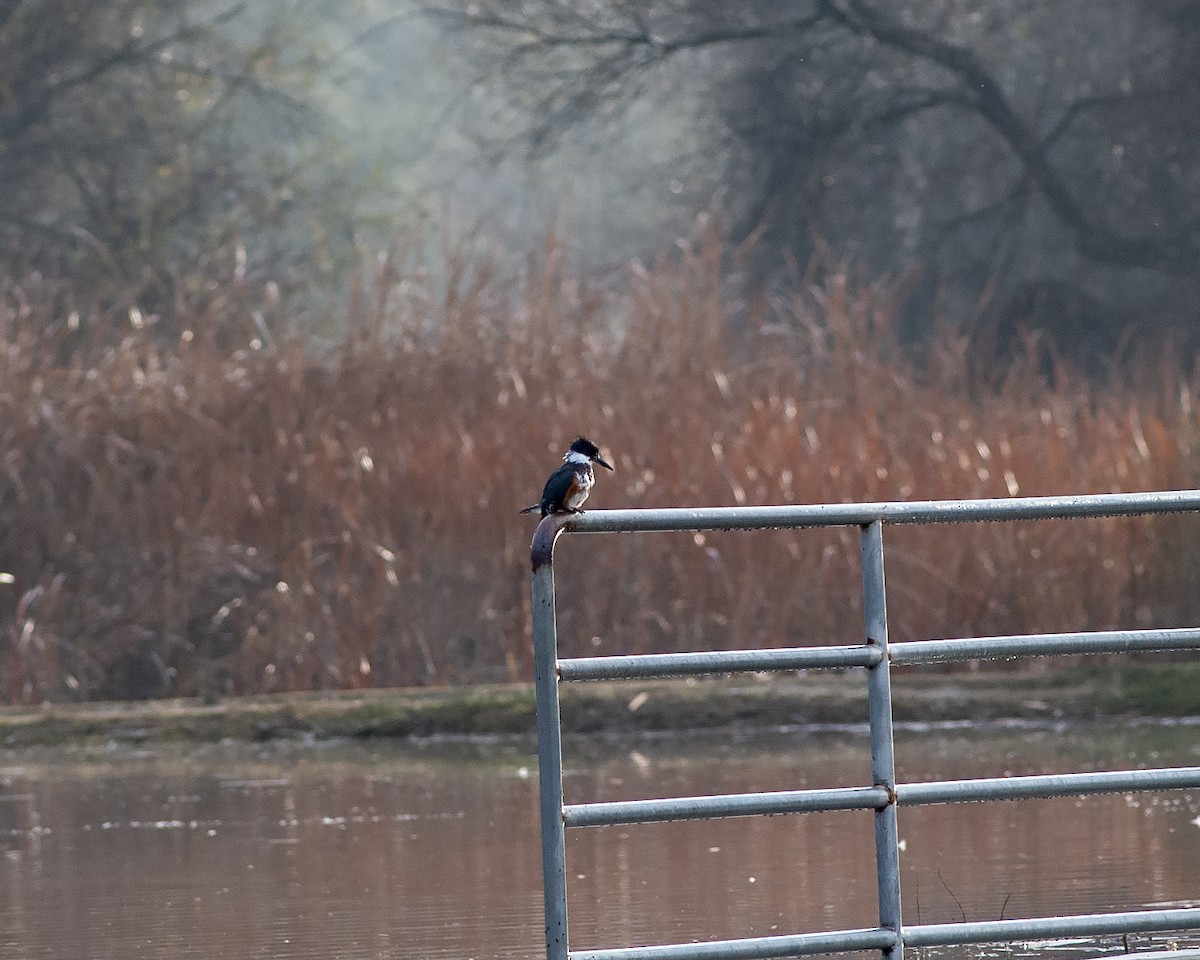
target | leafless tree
[
  {"x": 999, "y": 145},
  {"x": 141, "y": 141}
]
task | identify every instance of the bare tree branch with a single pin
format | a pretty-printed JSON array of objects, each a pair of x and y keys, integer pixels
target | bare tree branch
[
  {"x": 986, "y": 97},
  {"x": 133, "y": 51},
  {"x": 589, "y": 35}
]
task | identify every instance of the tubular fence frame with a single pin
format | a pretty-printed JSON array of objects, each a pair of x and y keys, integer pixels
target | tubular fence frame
[{"x": 875, "y": 655}]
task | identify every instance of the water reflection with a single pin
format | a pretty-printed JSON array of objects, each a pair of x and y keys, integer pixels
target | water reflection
[{"x": 432, "y": 851}]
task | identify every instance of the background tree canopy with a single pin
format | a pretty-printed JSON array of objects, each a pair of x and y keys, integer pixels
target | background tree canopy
[
  {"x": 146, "y": 144},
  {"x": 1032, "y": 159},
  {"x": 1029, "y": 156}
]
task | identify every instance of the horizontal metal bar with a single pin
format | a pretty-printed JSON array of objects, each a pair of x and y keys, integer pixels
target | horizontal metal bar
[
  {"x": 1052, "y": 785},
  {"x": 1097, "y": 924},
  {"x": 909, "y": 651},
  {"x": 861, "y": 514},
  {"x": 753, "y": 948},
  {"x": 1043, "y": 644},
  {"x": 726, "y": 805},
  {"x": 874, "y": 798},
  {"x": 716, "y": 661},
  {"x": 923, "y": 935}
]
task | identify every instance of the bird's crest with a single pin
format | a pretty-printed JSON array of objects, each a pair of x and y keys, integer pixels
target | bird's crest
[{"x": 585, "y": 446}]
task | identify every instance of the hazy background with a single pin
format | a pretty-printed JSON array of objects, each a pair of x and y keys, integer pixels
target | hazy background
[
  {"x": 273, "y": 276},
  {"x": 1026, "y": 161}
]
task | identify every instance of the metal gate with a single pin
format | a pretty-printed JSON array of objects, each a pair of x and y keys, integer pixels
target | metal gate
[{"x": 883, "y": 795}]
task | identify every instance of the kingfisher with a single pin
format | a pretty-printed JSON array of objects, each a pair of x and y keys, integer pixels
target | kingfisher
[{"x": 569, "y": 485}]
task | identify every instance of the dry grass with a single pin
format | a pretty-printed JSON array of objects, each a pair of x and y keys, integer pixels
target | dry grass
[{"x": 200, "y": 513}]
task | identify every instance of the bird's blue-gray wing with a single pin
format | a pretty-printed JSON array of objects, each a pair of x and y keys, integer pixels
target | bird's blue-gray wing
[{"x": 558, "y": 486}]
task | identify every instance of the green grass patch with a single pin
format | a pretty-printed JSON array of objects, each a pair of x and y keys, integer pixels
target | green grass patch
[{"x": 1167, "y": 690}]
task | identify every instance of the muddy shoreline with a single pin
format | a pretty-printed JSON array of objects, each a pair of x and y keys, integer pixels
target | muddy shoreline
[{"x": 1079, "y": 691}]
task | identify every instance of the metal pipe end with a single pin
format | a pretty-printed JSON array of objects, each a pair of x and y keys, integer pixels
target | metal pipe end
[{"x": 541, "y": 550}]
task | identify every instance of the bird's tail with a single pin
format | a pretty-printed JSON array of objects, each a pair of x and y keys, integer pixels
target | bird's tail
[{"x": 530, "y": 509}]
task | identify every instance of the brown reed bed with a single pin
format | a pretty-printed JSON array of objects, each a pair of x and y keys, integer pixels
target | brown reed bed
[{"x": 231, "y": 506}]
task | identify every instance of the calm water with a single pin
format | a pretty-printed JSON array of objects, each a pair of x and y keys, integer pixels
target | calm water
[{"x": 431, "y": 851}]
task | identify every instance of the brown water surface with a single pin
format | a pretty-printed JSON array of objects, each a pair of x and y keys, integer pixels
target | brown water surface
[{"x": 431, "y": 851}]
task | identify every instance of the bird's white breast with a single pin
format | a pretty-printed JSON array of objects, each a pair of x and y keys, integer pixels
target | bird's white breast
[{"x": 584, "y": 479}]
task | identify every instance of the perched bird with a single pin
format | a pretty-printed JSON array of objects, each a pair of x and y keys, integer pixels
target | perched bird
[{"x": 569, "y": 485}]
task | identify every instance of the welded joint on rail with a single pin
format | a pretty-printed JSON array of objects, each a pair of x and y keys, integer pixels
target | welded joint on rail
[
  {"x": 892, "y": 797},
  {"x": 541, "y": 550}
]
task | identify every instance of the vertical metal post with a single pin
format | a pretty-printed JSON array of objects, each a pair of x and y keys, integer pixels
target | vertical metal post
[
  {"x": 550, "y": 785},
  {"x": 883, "y": 763}
]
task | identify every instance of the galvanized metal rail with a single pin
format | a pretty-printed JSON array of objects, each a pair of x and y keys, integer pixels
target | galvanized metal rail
[{"x": 875, "y": 655}]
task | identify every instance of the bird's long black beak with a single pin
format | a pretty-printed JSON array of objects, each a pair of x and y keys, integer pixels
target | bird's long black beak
[{"x": 604, "y": 463}]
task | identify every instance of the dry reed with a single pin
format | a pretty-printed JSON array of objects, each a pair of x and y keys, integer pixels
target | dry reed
[{"x": 235, "y": 508}]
